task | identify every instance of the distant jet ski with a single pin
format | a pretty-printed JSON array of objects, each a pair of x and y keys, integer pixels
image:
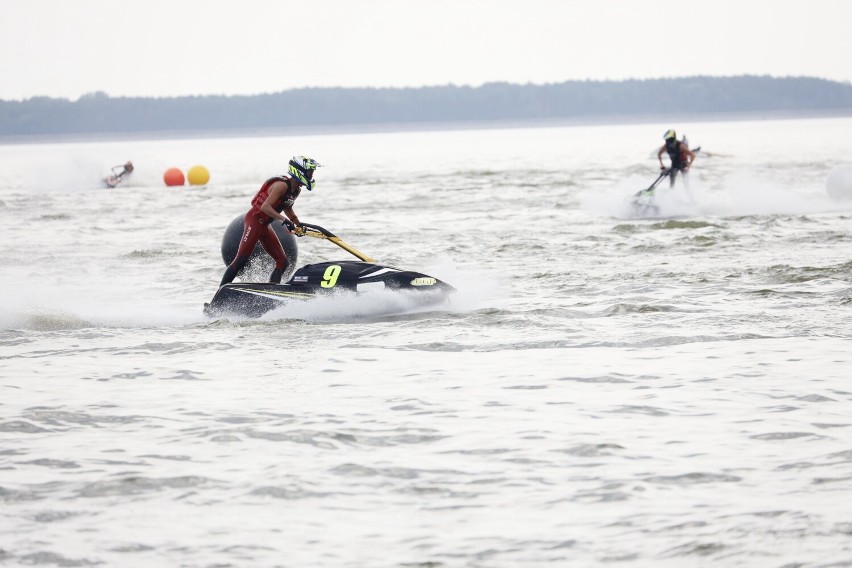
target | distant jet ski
[
  {"x": 643, "y": 200},
  {"x": 119, "y": 174},
  {"x": 254, "y": 299}
]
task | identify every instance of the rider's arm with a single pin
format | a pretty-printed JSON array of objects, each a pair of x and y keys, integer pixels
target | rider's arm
[
  {"x": 291, "y": 214},
  {"x": 275, "y": 193}
]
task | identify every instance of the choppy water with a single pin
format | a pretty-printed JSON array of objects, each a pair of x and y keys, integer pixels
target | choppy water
[{"x": 604, "y": 390}]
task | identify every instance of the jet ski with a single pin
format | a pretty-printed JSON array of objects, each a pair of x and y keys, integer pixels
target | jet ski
[
  {"x": 363, "y": 276},
  {"x": 118, "y": 174},
  {"x": 643, "y": 200}
]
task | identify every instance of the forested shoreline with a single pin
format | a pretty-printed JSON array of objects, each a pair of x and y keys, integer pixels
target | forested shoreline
[{"x": 99, "y": 113}]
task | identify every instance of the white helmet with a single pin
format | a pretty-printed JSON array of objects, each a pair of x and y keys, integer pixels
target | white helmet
[{"x": 302, "y": 169}]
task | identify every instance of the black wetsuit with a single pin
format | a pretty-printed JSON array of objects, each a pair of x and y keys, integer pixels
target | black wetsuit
[{"x": 677, "y": 152}]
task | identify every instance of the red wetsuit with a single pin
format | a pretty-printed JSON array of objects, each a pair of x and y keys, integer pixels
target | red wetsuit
[{"x": 256, "y": 228}]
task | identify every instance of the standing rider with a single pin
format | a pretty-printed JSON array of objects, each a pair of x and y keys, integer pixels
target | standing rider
[
  {"x": 277, "y": 194},
  {"x": 679, "y": 154}
]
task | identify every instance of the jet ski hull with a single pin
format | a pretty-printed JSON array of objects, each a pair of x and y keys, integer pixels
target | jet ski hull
[{"x": 255, "y": 299}]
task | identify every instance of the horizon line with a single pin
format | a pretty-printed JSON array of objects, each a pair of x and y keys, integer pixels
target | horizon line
[{"x": 104, "y": 94}]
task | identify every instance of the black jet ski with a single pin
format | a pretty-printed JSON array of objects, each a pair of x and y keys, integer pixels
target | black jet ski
[{"x": 254, "y": 299}]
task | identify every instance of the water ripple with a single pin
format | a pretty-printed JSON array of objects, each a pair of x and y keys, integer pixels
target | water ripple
[
  {"x": 140, "y": 485},
  {"x": 693, "y": 478}
]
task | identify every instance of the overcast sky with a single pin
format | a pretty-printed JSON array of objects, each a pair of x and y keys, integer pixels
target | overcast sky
[{"x": 66, "y": 48}]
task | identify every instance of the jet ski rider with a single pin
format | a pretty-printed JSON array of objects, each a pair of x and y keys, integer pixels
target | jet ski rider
[
  {"x": 679, "y": 154},
  {"x": 277, "y": 194}
]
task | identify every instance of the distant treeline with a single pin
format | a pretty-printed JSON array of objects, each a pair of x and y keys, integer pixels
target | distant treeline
[{"x": 99, "y": 113}]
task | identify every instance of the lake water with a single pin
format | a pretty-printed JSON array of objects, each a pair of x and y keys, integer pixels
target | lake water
[{"x": 602, "y": 390}]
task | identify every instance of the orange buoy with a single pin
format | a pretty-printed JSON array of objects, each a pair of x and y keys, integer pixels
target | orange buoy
[
  {"x": 198, "y": 175},
  {"x": 173, "y": 176}
]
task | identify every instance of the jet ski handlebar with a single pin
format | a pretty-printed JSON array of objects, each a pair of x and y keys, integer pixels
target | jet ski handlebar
[{"x": 308, "y": 230}]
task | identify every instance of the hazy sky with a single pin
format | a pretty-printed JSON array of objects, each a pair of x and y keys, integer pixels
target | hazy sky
[{"x": 66, "y": 48}]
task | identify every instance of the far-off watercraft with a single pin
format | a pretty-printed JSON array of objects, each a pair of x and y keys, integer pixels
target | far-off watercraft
[
  {"x": 118, "y": 174},
  {"x": 643, "y": 200},
  {"x": 366, "y": 275}
]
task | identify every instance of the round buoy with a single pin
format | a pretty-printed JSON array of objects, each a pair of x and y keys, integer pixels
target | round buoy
[
  {"x": 173, "y": 176},
  {"x": 260, "y": 264},
  {"x": 198, "y": 175},
  {"x": 839, "y": 183}
]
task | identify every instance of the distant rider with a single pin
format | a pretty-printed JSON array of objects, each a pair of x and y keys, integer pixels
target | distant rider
[
  {"x": 277, "y": 194},
  {"x": 680, "y": 155}
]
